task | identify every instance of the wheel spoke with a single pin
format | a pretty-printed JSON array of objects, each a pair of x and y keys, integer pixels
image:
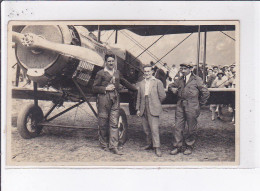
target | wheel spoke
[
  {"x": 30, "y": 123},
  {"x": 120, "y": 127}
]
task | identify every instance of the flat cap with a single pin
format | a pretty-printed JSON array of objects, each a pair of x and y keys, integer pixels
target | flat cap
[{"x": 186, "y": 65}]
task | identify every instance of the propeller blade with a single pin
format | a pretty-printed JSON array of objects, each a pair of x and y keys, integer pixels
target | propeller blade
[{"x": 78, "y": 52}]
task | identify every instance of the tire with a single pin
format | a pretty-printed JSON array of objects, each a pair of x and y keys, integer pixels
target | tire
[
  {"x": 27, "y": 121},
  {"x": 123, "y": 127}
]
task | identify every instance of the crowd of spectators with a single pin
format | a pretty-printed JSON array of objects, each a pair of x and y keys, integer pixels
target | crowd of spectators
[{"x": 216, "y": 76}]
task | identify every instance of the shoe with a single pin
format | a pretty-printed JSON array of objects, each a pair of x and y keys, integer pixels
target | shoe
[
  {"x": 148, "y": 147},
  {"x": 158, "y": 152},
  {"x": 105, "y": 148},
  {"x": 176, "y": 150},
  {"x": 212, "y": 118},
  {"x": 190, "y": 142},
  {"x": 116, "y": 151},
  {"x": 187, "y": 151},
  {"x": 120, "y": 147}
]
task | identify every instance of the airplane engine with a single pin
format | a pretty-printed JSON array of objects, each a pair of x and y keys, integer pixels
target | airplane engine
[
  {"x": 50, "y": 62},
  {"x": 39, "y": 64}
]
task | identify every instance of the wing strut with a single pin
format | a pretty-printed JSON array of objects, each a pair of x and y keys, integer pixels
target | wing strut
[
  {"x": 116, "y": 36},
  {"x": 204, "y": 56},
  {"x": 198, "y": 51}
]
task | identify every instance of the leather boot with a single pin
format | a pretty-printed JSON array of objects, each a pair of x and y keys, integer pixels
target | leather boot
[
  {"x": 116, "y": 151},
  {"x": 158, "y": 152}
]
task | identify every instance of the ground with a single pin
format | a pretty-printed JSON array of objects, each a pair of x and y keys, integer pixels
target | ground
[{"x": 216, "y": 140}]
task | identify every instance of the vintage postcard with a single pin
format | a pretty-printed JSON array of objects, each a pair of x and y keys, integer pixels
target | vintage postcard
[{"x": 123, "y": 93}]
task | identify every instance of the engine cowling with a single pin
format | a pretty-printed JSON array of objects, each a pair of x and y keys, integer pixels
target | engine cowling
[
  {"x": 41, "y": 64},
  {"x": 47, "y": 52}
]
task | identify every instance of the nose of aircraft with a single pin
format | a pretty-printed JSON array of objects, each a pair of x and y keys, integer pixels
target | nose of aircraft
[{"x": 48, "y": 47}]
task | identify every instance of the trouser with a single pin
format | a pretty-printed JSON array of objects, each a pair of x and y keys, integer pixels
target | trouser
[
  {"x": 151, "y": 126},
  {"x": 216, "y": 108},
  {"x": 184, "y": 114},
  {"x": 108, "y": 115}
]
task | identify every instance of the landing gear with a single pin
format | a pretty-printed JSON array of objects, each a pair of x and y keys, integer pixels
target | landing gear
[
  {"x": 31, "y": 118},
  {"x": 28, "y": 119}
]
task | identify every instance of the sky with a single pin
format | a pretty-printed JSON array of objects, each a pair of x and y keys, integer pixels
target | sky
[{"x": 220, "y": 48}]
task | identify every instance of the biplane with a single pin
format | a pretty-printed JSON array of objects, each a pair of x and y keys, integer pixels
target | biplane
[{"x": 67, "y": 58}]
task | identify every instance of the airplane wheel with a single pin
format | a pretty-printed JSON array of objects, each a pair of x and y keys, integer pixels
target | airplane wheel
[
  {"x": 27, "y": 122},
  {"x": 123, "y": 127}
]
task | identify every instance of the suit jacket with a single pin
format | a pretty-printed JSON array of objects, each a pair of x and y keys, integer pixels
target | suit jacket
[
  {"x": 194, "y": 92},
  {"x": 103, "y": 79},
  {"x": 155, "y": 97}
]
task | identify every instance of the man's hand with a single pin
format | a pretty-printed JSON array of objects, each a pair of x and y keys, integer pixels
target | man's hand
[
  {"x": 110, "y": 87},
  {"x": 174, "y": 90},
  {"x": 138, "y": 113}
]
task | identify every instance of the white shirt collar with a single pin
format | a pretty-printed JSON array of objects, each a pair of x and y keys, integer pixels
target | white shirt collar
[
  {"x": 188, "y": 77},
  {"x": 152, "y": 78},
  {"x": 109, "y": 71}
]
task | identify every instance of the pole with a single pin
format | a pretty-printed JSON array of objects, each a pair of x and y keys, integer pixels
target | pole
[
  {"x": 198, "y": 51},
  {"x": 204, "y": 57}
]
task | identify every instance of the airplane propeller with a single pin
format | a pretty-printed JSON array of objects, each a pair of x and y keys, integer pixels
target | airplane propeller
[{"x": 34, "y": 41}]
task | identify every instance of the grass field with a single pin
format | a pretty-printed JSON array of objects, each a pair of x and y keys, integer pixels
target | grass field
[{"x": 216, "y": 140}]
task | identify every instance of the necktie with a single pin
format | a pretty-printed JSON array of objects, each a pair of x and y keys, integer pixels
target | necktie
[{"x": 184, "y": 78}]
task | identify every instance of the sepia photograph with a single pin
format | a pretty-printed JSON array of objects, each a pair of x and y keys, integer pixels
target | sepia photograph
[{"x": 123, "y": 93}]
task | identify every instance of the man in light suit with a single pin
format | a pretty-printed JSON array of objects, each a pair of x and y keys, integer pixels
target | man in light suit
[{"x": 149, "y": 98}]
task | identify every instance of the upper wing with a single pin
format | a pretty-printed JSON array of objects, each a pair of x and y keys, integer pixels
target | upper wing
[{"x": 150, "y": 30}]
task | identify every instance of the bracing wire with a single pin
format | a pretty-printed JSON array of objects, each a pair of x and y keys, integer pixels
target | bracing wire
[
  {"x": 175, "y": 47},
  {"x": 110, "y": 35},
  {"x": 228, "y": 35},
  {"x": 147, "y": 48},
  {"x": 139, "y": 45}
]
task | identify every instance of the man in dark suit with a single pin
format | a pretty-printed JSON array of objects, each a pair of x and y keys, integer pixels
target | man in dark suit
[
  {"x": 192, "y": 93},
  {"x": 149, "y": 98},
  {"x": 161, "y": 75},
  {"x": 106, "y": 85}
]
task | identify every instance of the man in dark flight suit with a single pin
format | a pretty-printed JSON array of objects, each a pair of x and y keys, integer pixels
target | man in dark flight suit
[
  {"x": 192, "y": 93},
  {"x": 106, "y": 85}
]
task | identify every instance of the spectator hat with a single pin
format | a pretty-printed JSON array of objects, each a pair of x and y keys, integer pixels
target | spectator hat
[{"x": 186, "y": 65}]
